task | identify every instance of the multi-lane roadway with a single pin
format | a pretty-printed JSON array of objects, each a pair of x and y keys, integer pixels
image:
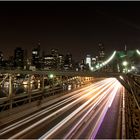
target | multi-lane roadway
[{"x": 76, "y": 115}]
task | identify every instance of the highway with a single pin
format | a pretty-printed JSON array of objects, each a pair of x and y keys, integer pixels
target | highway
[{"x": 76, "y": 115}]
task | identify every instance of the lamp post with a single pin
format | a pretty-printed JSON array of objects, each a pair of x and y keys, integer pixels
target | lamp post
[{"x": 125, "y": 64}]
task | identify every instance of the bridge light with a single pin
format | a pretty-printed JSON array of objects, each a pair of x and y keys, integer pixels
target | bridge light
[
  {"x": 124, "y": 63},
  {"x": 104, "y": 63},
  {"x": 97, "y": 66},
  {"x": 133, "y": 67},
  {"x": 91, "y": 68},
  {"x": 51, "y": 76},
  {"x": 138, "y": 51},
  {"x": 124, "y": 71},
  {"x": 121, "y": 77}
]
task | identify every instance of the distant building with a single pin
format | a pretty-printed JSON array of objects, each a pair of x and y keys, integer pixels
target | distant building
[
  {"x": 36, "y": 56},
  {"x": 93, "y": 61},
  {"x": 54, "y": 53},
  {"x": 19, "y": 57},
  {"x": 49, "y": 62},
  {"x": 60, "y": 62},
  {"x": 101, "y": 52},
  {"x": 88, "y": 60},
  {"x": 10, "y": 62},
  {"x": 82, "y": 65},
  {"x": 1, "y": 59},
  {"x": 68, "y": 61}
]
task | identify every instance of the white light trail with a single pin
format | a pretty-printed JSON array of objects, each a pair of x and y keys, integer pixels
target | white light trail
[
  {"x": 97, "y": 102},
  {"x": 58, "y": 111},
  {"x": 28, "y": 119},
  {"x": 60, "y": 124},
  {"x": 103, "y": 113},
  {"x": 113, "y": 94}
]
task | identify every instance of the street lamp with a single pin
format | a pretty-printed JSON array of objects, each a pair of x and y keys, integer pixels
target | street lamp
[
  {"x": 51, "y": 76},
  {"x": 97, "y": 66},
  {"x": 125, "y": 63},
  {"x": 133, "y": 67},
  {"x": 91, "y": 68}
]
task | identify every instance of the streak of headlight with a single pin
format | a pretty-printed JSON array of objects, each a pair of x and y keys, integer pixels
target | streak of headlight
[
  {"x": 121, "y": 77},
  {"x": 99, "y": 99},
  {"x": 114, "y": 93},
  {"x": 102, "y": 115},
  {"x": 104, "y": 110},
  {"x": 60, "y": 124},
  {"x": 58, "y": 111},
  {"x": 21, "y": 122}
]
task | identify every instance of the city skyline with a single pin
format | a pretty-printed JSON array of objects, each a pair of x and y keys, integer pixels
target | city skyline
[{"x": 75, "y": 27}]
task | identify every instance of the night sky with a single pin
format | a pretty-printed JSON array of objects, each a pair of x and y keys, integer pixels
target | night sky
[{"x": 75, "y": 27}]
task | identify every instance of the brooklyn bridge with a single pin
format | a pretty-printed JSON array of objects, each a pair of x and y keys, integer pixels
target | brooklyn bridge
[{"x": 102, "y": 102}]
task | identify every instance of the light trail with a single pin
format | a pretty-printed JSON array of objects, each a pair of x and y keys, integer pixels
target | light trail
[
  {"x": 38, "y": 114},
  {"x": 117, "y": 87},
  {"x": 79, "y": 123},
  {"x": 86, "y": 116},
  {"x": 60, "y": 124},
  {"x": 105, "y": 62},
  {"x": 58, "y": 111},
  {"x": 103, "y": 113}
]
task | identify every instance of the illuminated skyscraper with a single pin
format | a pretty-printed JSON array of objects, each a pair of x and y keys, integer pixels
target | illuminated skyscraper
[
  {"x": 19, "y": 57},
  {"x": 101, "y": 52},
  {"x": 36, "y": 56},
  {"x": 88, "y": 60},
  {"x": 49, "y": 62},
  {"x": 60, "y": 61},
  {"x": 54, "y": 52},
  {"x": 68, "y": 61}
]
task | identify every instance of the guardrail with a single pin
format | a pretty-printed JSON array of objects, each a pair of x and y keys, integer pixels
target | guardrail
[
  {"x": 133, "y": 108},
  {"x": 25, "y": 98},
  {"x": 64, "y": 73}
]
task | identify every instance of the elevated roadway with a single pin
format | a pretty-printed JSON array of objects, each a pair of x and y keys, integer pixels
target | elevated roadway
[{"x": 76, "y": 115}]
